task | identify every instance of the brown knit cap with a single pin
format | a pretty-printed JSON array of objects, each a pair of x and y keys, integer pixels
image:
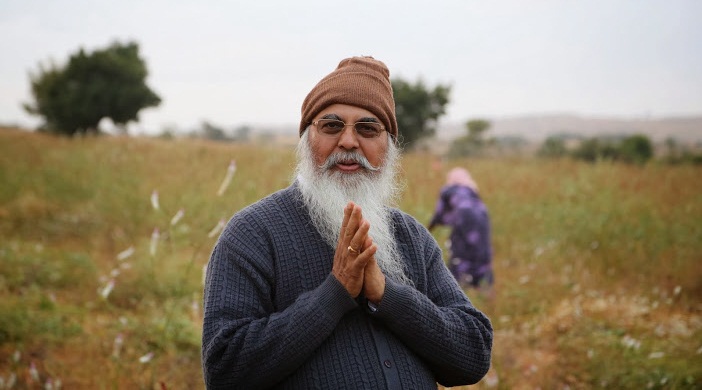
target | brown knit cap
[{"x": 357, "y": 81}]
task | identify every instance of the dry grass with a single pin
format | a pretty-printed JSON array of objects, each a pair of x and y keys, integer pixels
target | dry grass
[{"x": 597, "y": 266}]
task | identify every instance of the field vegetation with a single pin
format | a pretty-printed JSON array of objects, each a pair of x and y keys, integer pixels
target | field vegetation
[{"x": 103, "y": 241}]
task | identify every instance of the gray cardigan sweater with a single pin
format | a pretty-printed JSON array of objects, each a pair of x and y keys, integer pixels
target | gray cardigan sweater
[{"x": 275, "y": 317}]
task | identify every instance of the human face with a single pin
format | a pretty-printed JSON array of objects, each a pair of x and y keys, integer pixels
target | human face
[{"x": 373, "y": 149}]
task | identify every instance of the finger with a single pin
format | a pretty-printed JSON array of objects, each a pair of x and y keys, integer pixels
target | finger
[
  {"x": 373, "y": 280},
  {"x": 358, "y": 241},
  {"x": 370, "y": 252},
  {"x": 367, "y": 243},
  {"x": 347, "y": 216},
  {"x": 344, "y": 224},
  {"x": 355, "y": 221}
]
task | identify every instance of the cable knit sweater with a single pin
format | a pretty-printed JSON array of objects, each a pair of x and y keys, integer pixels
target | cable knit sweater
[{"x": 275, "y": 316}]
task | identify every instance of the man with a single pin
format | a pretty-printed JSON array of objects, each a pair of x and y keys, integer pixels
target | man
[{"x": 323, "y": 285}]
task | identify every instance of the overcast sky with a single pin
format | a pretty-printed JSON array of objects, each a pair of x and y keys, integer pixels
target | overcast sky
[{"x": 252, "y": 62}]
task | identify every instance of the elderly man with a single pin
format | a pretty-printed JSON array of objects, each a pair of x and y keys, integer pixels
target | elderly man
[{"x": 324, "y": 285}]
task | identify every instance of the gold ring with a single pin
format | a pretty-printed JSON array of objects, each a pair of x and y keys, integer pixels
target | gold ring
[{"x": 351, "y": 250}]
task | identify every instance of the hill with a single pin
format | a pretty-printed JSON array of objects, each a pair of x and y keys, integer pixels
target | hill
[{"x": 536, "y": 128}]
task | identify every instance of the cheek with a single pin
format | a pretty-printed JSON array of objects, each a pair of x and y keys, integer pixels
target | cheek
[
  {"x": 320, "y": 150},
  {"x": 376, "y": 155}
]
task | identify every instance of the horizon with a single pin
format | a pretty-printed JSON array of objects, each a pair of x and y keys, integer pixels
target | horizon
[{"x": 232, "y": 65}]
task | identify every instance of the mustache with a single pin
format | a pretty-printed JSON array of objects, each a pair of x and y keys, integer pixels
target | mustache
[{"x": 352, "y": 156}]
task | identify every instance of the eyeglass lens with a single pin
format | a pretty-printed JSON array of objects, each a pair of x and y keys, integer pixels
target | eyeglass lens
[{"x": 335, "y": 127}]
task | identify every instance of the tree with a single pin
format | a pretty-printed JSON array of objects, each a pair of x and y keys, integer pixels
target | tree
[
  {"x": 553, "y": 147},
  {"x": 473, "y": 142},
  {"x": 418, "y": 109},
  {"x": 476, "y": 129},
  {"x": 636, "y": 149},
  {"x": 595, "y": 149},
  {"x": 213, "y": 132},
  {"x": 108, "y": 83}
]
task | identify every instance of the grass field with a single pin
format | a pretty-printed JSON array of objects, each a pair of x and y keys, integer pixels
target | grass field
[{"x": 598, "y": 266}]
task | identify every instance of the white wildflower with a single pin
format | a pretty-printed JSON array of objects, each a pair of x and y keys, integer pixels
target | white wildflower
[
  {"x": 125, "y": 254},
  {"x": 117, "y": 345},
  {"x": 228, "y": 178},
  {"x": 177, "y": 217},
  {"x": 154, "y": 241},
  {"x": 146, "y": 358},
  {"x": 218, "y": 228},
  {"x": 57, "y": 384},
  {"x": 491, "y": 380},
  {"x": 105, "y": 291},
  {"x": 204, "y": 276},
  {"x": 631, "y": 342},
  {"x": 656, "y": 355},
  {"x": 154, "y": 200},
  {"x": 195, "y": 307},
  {"x": 33, "y": 372}
]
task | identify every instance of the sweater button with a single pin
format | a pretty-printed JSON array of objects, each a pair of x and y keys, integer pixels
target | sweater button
[{"x": 387, "y": 363}]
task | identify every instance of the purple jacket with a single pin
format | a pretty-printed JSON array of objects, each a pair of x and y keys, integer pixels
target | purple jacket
[{"x": 462, "y": 209}]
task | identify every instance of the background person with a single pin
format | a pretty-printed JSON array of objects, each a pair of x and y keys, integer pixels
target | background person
[
  {"x": 325, "y": 285},
  {"x": 460, "y": 207}
]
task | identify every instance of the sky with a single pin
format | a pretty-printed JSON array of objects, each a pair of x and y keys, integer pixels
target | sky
[{"x": 234, "y": 63}]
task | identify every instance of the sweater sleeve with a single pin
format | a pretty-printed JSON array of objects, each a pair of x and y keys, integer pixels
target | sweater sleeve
[
  {"x": 247, "y": 342},
  {"x": 440, "y": 325}
]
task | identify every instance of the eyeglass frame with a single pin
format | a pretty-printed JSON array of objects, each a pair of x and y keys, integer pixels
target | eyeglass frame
[{"x": 353, "y": 125}]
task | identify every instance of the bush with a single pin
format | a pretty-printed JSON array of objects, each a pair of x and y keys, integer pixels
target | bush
[{"x": 635, "y": 149}]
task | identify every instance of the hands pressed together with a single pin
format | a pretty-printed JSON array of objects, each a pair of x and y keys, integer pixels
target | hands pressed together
[{"x": 355, "y": 266}]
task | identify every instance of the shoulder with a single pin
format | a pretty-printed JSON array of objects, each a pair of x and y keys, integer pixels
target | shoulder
[
  {"x": 270, "y": 205},
  {"x": 407, "y": 225},
  {"x": 265, "y": 213}
]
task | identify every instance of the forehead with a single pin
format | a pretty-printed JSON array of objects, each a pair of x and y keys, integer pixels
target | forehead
[{"x": 346, "y": 112}]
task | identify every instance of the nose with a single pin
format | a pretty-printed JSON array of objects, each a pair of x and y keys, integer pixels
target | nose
[{"x": 348, "y": 138}]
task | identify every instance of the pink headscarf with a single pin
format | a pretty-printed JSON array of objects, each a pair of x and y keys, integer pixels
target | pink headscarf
[{"x": 461, "y": 176}]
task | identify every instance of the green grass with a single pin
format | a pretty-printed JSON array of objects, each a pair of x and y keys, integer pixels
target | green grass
[{"x": 598, "y": 277}]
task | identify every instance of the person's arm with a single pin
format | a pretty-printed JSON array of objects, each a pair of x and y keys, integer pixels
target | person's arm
[
  {"x": 440, "y": 325},
  {"x": 246, "y": 342},
  {"x": 441, "y": 209},
  {"x": 437, "y": 216}
]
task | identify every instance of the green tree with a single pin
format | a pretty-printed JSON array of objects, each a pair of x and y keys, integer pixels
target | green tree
[
  {"x": 418, "y": 109},
  {"x": 473, "y": 142},
  {"x": 476, "y": 130},
  {"x": 107, "y": 83},
  {"x": 553, "y": 147},
  {"x": 636, "y": 149},
  {"x": 594, "y": 149}
]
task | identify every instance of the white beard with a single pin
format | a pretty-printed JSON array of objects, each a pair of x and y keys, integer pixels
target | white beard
[{"x": 327, "y": 192}]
